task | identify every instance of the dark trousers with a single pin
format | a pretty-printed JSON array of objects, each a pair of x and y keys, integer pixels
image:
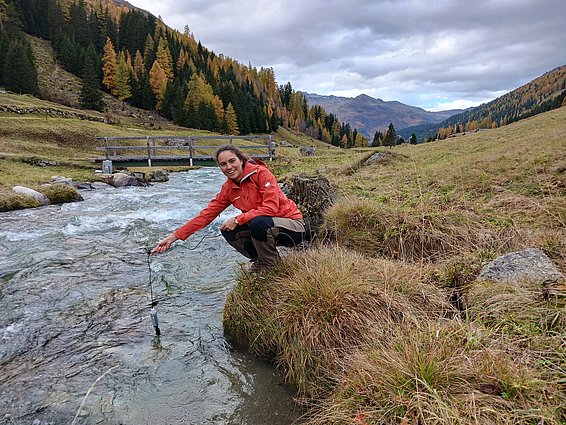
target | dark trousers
[{"x": 262, "y": 229}]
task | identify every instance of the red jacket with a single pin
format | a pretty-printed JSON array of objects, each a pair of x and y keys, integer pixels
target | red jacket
[{"x": 257, "y": 195}]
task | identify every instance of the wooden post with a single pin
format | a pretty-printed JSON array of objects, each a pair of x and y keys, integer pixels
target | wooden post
[
  {"x": 148, "y": 152},
  {"x": 106, "y": 147},
  {"x": 270, "y": 148}
]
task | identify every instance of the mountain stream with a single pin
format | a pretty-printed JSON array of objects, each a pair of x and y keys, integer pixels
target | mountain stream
[{"x": 76, "y": 341}]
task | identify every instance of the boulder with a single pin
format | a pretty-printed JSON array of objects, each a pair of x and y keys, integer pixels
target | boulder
[
  {"x": 159, "y": 175},
  {"x": 41, "y": 198},
  {"x": 100, "y": 185},
  {"x": 376, "y": 157},
  {"x": 307, "y": 151},
  {"x": 120, "y": 179},
  {"x": 531, "y": 264},
  {"x": 62, "y": 180}
]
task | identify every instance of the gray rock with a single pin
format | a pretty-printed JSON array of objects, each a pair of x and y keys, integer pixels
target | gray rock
[
  {"x": 43, "y": 200},
  {"x": 531, "y": 264},
  {"x": 159, "y": 175},
  {"x": 100, "y": 185},
  {"x": 85, "y": 185},
  {"x": 376, "y": 157},
  {"x": 307, "y": 151},
  {"x": 62, "y": 180},
  {"x": 120, "y": 179}
]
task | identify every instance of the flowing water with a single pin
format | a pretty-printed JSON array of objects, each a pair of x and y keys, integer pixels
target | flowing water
[{"x": 76, "y": 341}]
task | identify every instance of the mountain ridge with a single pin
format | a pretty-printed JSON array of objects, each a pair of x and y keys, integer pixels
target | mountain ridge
[{"x": 369, "y": 114}]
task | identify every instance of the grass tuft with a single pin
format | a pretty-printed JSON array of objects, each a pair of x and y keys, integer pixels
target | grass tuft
[
  {"x": 60, "y": 193},
  {"x": 17, "y": 201},
  {"x": 431, "y": 373},
  {"x": 323, "y": 304}
]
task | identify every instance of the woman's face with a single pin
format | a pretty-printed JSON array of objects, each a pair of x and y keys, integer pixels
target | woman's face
[{"x": 231, "y": 165}]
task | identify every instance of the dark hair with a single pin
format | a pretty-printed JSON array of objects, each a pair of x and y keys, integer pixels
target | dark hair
[{"x": 236, "y": 151}]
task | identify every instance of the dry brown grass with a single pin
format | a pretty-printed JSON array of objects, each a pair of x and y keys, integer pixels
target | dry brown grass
[
  {"x": 324, "y": 303},
  {"x": 351, "y": 325},
  {"x": 383, "y": 230},
  {"x": 438, "y": 373}
]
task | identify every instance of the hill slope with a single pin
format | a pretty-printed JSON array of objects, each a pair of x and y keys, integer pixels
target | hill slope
[{"x": 541, "y": 94}]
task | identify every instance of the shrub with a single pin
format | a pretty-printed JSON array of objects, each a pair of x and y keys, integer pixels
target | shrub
[
  {"x": 17, "y": 201},
  {"x": 61, "y": 193}
]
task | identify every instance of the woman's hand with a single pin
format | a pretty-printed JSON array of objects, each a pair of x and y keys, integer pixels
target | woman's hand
[
  {"x": 229, "y": 224},
  {"x": 164, "y": 244}
]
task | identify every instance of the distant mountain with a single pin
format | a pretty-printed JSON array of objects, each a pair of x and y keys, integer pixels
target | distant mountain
[
  {"x": 369, "y": 115},
  {"x": 539, "y": 95}
]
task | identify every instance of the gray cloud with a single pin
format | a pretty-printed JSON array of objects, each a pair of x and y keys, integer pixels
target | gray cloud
[{"x": 419, "y": 52}]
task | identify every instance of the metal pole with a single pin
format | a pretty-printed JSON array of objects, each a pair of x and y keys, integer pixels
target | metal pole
[
  {"x": 191, "y": 151},
  {"x": 270, "y": 148}
]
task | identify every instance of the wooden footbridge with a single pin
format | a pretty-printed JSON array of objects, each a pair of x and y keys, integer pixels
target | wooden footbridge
[{"x": 179, "y": 150}]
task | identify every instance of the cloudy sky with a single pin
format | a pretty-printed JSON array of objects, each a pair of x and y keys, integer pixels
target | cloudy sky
[{"x": 436, "y": 54}]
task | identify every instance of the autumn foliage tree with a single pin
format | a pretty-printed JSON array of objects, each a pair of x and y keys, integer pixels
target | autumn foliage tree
[
  {"x": 109, "y": 66},
  {"x": 158, "y": 82},
  {"x": 230, "y": 121}
]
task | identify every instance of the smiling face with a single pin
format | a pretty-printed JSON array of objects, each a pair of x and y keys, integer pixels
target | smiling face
[{"x": 231, "y": 165}]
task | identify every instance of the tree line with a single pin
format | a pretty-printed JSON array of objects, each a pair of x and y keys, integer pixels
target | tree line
[
  {"x": 138, "y": 59},
  {"x": 540, "y": 95}
]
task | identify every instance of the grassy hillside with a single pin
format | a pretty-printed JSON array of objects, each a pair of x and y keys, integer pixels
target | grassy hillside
[{"x": 386, "y": 323}]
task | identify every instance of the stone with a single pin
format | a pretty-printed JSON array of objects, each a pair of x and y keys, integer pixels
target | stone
[
  {"x": 42, "y": 199},
  {"x": 160, "y": 176},
  {"x": 62, "y": 180},
  {"x": 376, "y": 157},
  {"x": 307, "y": 151},
  {"x": 100, "y": 185},
  {"x": 531, "y": 264},
  {"x": 120, "y": 179}
]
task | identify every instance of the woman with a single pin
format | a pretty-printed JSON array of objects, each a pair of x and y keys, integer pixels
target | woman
[{"x": 268, "y": 217}]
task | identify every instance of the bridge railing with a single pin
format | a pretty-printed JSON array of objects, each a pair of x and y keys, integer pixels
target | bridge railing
[{"x": 175, "y": 148}]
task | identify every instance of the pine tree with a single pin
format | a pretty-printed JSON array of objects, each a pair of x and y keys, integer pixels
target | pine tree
[
  {"x": 231, "y": 121},
  {"x": 109, "y": 66},
  {"x": 390, "y": 136},
  {"x": 377, "y": 139},
  {"x": 413, "y": 139},
  {"x": 123, "y": 90},
  {"x": 91, "y": 96},
  {"x": 360, "y": 142},
  {"x": 163, "y": 55},
  {"x": 19, "y": 73}
]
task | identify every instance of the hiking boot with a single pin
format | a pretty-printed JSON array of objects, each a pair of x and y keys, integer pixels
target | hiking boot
[
  {"x": 260, "y": 267},
  {"x": 267, "y": 254}
]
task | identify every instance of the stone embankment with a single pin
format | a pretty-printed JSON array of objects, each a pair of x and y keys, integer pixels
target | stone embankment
[
  {"x": 49, "y": 194},
  {"x": 52, "y": 112}
]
